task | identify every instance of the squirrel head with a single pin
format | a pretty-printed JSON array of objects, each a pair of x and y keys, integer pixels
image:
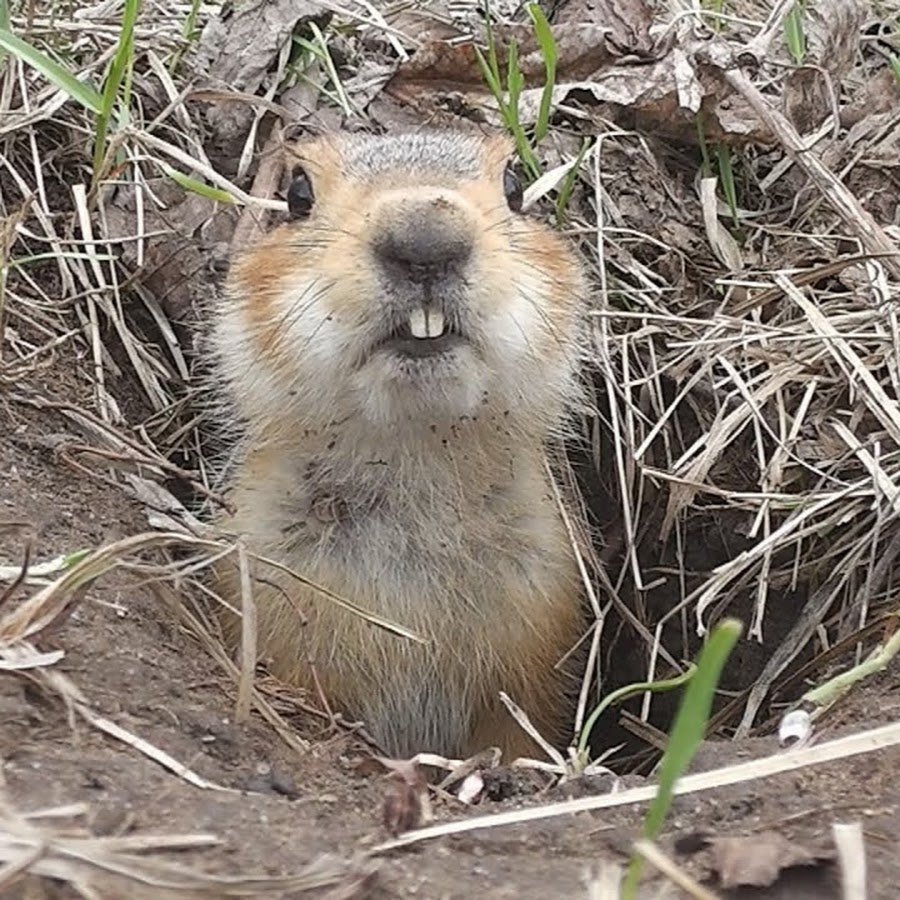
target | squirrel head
[{"x": 407, "y": 289}]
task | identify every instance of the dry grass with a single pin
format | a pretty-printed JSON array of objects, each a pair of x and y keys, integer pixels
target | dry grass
[
  {"x": 746, "y": 390},
  {"x": 842, "y": 748},
  {"x": 49, "y": 844}
]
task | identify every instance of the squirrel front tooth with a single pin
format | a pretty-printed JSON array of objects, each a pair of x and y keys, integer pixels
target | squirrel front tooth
[
  {"x": 426, "y": 323},
  {"x": 418, "y": 323},
  {"x": 435, "y": 323}
]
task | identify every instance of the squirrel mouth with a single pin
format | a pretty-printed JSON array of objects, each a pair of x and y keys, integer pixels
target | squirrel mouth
[{"x": 427, "y": 332}]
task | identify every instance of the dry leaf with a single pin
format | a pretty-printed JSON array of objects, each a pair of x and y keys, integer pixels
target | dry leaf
[
  {"x": 808, "y": 99},
  {"x": 402, "y": 808},
  {"x": 832, "y": 29},
  {"x": 656, "y": 90},
  {"x": 881, "y": 96},
  {"x": 239, "y": 49},
  {"x": 661, "y": 86},
  {"x": 422, "y": 22},
  {"x": 406, "y": 803},
  {"x": 628, "y": 21},
  {"x": 586, "y": 45},
  {"x": 757, "y": 860},
  {"x": 436, "y": 68}
]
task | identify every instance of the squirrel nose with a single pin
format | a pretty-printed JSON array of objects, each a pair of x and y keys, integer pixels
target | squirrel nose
[{"x": 423, "y": 241}]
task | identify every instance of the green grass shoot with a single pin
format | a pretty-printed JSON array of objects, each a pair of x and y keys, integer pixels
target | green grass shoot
[
  {"x": 189, "y": 33},
  {"x": 716, "y": 6},
  {"x": 334, "y": 77},
  {"x": 304, "y": 53},
  {"x": 515, "y": 84},
  {"x": 703, "y": 143},
  {"x": 200, "y": 188},
  {"x": 515, "y": 81},
  {"x": 726, "y": 171},
  {"x": 726, "y": 179},
  {"x": 623, "y": 693},
  {"x": 23, "y": 261},
  {"x": 80, "y": 91},
  {"x": 794, "y": 34},
  {"x": 685, "y": 737},
  {"x": 4, "y": 24},
  {"x": 547, "y": 43},
  {"x": 120, "y": 71},
  {"x": 102, "y": 103}
]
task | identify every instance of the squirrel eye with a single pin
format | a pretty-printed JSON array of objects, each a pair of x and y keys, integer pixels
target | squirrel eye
[
  {"x": 512, "y": 188},
  {"x": 300, "y": 196}
]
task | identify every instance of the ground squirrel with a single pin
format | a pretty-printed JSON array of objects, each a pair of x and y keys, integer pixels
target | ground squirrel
[{"x": 398, "y": 353}]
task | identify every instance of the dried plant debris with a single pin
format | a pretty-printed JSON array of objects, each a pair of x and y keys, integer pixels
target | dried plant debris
[
  {"x": 744, "y": 349},
  {"x": 242, "y": 46},
  {"x": 609, "y": 57},
  {"x": 660, "y": 78},
  {"x": 584, "y": 50},
  {"x": 187, "y": 244},
  {"x": 767, "y": 860},
  {"x": 832, "y": 32},
  {"x": 43, "y": 848},
  {"x": 406, "y": 803}
]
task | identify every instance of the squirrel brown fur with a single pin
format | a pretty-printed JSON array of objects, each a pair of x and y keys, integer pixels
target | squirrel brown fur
[{"x": 398, "y": 353}]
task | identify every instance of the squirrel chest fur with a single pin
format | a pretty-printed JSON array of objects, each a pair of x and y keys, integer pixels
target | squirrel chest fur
[{"x": 397, "y": 354}]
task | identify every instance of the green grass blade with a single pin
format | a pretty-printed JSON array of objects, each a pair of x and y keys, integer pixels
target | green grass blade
[
  {"x": 794, "y": 34},
  {"x": 121, "y": 63},
  {"x": 490, "y": 65},
  {"x": 716, "y": 6},
  {"x": 197, "y": 187},
  {"x": 22, "y": 261},
  {"x": 330, "y": 68},
  {"x": 80, "y": 91},
  {"x": 895, "y": 67},
  {"x": 4, "y": 24},
  {"x": 123, "y": 57},
  {"x": 704, "y": 145},
  {"x": 686, "y": 735},
  {"x": 491, "y": 44},
  {"x": 547, "y": 43},
  {"x": 726, "y": 179},
  {"x": 515, "y": 81},
  {"x": 623, "y": 693},
  {"x": 515, "y": 84},
  {"x": 72, "y": 559},
  {"x": 190, "y": 32},
  {"x": 491, "y": 77}
]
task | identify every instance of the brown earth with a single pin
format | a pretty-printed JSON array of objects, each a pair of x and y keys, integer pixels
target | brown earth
[
  {"x": 125, "y": 652},
  {"x": 285, "y": 809}
]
